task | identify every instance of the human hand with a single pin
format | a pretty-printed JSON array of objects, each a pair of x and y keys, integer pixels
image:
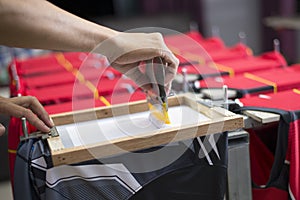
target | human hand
[
  {"x": 28, "y": 107},
  {"x": 126, "y": 51}
]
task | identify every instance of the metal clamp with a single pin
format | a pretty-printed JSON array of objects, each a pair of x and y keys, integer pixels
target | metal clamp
[{"x": 53, "y": 133}]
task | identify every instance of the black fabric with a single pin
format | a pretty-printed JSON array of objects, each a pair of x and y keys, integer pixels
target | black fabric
[
  {"x": 280, "y": 171},
  {"x": 23, "y": 189},
  {"x": 242, "y": 92},
  {"x": 195, "y": 182},
  {"x": 107, "y": 189},
  {"x": 191, "y": 183},
  {"x": 189, "y": 177}
]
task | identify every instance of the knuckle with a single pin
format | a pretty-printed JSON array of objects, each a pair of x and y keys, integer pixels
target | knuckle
[
  {"x": 160, "y": 52},
  {"x": 32, "y": 99},
  {"x": 27, "y": 113},
  {"x": 158, "y": 35},
  {"x": 158, "y": 38}
]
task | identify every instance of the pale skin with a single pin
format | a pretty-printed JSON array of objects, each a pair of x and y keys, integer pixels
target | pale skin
[{"x": 40, "y": 24}]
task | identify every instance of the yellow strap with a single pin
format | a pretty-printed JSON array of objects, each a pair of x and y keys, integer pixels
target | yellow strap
[
  {"x": 296, "y": 91},
  {"x": 261, "y": 80},
  {"x": 13, "y": 151},
  {"x": 90, "y": 85},
  {"x": 223, "y": 68},
  {"x": 104, "y": 100},
  {"x": 61, "y": 59},
  {"x": 79, "y": 75},
  {"x": 249, "y": 51},
  {"x": 202, "y": 61},
  {"x": 192, "y": 57},
  {"x": 174, "y": 50}
]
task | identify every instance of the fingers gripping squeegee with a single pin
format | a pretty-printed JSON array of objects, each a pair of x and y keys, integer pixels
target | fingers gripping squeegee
[{"x": 157, "y": 101}]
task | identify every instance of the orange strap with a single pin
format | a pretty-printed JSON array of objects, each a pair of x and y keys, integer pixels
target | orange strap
[
  {"x": 296, "y": 91},
  {"x": 61, "y": 59},
  {"x": 13, "y": 151},
  {"x": 249, "y": 51},
  {"x": 174, "y": 50},
  {"x": 202, "y": 61},
  {"x": 261, "y": 80},
  {"x": 104, "y": 100},
  {"x": 223, "y": 68},
  {"x": 192, "y": 57}
]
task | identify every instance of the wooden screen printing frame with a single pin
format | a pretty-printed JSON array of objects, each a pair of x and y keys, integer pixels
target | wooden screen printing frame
[{"x": 220, "y": 120}]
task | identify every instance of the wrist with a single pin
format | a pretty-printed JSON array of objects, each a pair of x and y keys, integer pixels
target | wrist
[
  {"x": 105, "y": 33},
  {"x": 107, "y": 43}
]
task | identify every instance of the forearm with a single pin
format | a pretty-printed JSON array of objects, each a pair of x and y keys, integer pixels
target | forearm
[{"x": 40, "y": 24}]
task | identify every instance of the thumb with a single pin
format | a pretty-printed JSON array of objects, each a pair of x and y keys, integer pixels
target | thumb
[{"x": 2, "y": 130}]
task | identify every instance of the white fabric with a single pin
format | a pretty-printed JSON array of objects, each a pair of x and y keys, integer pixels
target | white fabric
[{"x": 117, "y": 172}]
